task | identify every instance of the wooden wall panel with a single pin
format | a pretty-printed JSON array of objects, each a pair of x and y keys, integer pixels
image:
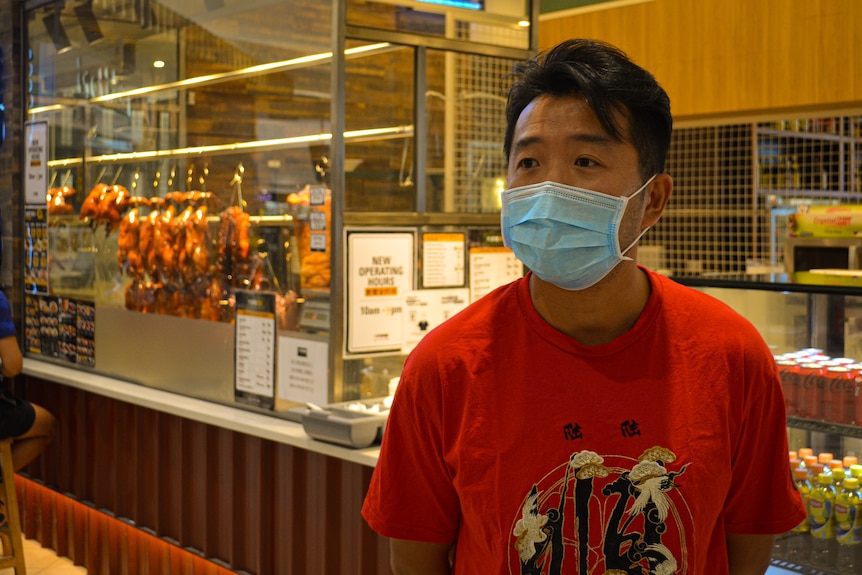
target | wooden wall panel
[
  {"x": 736, "y": 57},
  {"x": 249, "y": 504}
]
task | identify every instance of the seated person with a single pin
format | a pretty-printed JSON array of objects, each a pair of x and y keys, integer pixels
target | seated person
[{"x": 31, "y": 426}]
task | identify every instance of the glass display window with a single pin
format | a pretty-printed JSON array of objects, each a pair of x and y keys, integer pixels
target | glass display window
[{"x": 196, "y": 152}]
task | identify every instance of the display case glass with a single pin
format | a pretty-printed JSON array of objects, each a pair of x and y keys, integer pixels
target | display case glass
[
  {"x": 208, "y": 181},
  {"x": 815, "y": 333}
]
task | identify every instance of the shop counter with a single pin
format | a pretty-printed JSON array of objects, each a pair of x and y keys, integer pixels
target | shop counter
[
  {"x": 236, "y": 419},
  {"x": 246, "y": 491}
]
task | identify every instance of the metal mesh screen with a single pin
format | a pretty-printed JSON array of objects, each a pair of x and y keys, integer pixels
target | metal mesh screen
[
  {"x": 479, "y": 130},
  {"x": 736, "y": 186}
]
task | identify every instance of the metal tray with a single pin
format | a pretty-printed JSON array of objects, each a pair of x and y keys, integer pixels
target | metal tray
[{"x": 349, "y": 423}]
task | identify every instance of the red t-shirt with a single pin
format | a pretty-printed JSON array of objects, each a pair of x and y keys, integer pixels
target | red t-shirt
[{"x": 541, "y": 455}]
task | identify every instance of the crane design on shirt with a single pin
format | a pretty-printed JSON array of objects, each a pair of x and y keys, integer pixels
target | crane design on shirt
[{"x": 604, "y": 519}]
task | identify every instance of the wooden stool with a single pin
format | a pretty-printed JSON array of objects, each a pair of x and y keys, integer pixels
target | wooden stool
[{"x": 10, "y": 532}]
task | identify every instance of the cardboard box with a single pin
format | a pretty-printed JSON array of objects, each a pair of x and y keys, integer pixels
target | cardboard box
[{"x": 843, "y": 221}]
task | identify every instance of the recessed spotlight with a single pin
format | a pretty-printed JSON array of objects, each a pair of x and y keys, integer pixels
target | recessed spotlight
[
  {"x": 524, "y": 23},
  {"x": 159, "y": 64}
]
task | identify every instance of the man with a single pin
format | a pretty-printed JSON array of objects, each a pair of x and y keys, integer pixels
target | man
[{"x": 592, "y": 417}]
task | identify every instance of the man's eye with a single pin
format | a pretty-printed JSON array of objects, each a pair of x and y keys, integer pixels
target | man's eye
[
  {"x": 584, "y": 162},
  {"x": 528, "y": 163}
]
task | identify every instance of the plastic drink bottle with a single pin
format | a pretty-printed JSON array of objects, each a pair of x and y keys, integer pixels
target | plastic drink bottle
[
  {"x": 814, "y": 471},
  {"x": 848, "y": 527},
  {"x": 799, "y": 545},
  {"x": 838, "y": 476},
  {"x": 803, "y": 452},
  {"x": 821, "y": 515}
]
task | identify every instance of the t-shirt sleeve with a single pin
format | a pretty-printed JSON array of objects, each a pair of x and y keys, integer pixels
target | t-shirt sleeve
[
  {"x": 762, "y": 497},
  {"x": 411, "y": 495}
]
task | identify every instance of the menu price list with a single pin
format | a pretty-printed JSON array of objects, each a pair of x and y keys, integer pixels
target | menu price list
[
  {"x": 254, "y": 381},
  {"x": 61, "y": 328}
]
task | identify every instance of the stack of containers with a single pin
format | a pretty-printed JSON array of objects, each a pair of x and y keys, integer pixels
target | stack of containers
[{"x": 820, "y": 387}]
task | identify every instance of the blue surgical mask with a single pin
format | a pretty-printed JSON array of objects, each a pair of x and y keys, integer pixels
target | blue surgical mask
[{"x": 567, "y": 236}]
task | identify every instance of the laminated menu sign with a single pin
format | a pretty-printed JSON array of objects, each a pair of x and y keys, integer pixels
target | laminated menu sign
[
  {"x": 426, "y": 309},
  {"x": 36, "y": 163},
  {"x": 442, "y": 260},
  {"x": 254, "y": 378},
  {"x": 380, "y": 272},
  {"x": 303, "y": 361},
  {"x": 36, "y": 250},
  {"x": 490, "y": 268}
]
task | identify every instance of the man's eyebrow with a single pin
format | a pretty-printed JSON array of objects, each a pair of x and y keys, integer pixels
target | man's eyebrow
[
  {"x": 596, "y": 138},
  {"x": 600, "y": 139}
]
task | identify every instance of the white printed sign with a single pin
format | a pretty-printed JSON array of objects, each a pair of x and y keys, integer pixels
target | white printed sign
[
  {"x": 490, "y": 268},
  {"x": 302, "y": 368},
  {"x": 36, "y": 163},
  {"x": 426, "y": 309},
  {"x": 380, "y": 272}
]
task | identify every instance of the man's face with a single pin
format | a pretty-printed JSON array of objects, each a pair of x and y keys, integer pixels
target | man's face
[{"x": 559, "y": 139}]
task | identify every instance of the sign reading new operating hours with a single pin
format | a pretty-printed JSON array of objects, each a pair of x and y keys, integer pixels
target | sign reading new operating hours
[{"x": 380, "y": 271}]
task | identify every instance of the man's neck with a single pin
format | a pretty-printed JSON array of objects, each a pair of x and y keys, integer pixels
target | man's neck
[{"x": 596, "y": 315}]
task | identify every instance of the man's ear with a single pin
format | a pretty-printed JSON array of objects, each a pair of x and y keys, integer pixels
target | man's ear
[{"x": 659, "y": 191}]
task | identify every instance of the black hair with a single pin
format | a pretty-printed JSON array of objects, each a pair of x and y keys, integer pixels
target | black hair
[{"x": 609, "y": 81}]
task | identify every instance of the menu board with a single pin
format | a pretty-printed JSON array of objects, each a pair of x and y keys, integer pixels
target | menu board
[
  {"x": 443, "y": 260},
  {"x": 36, "y": 250},
  {"x": 254, "y": 381},
  {"x": 490, "y": 268},
  {"x": 60, "y": 327}
]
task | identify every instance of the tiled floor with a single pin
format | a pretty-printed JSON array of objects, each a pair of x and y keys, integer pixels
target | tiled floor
[{"x": 44, "y": 561}]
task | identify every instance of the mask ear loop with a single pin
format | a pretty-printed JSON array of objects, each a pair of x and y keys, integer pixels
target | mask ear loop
[
  {"x": 643, "y": 231},
  {"x": 631, "y": 245}
]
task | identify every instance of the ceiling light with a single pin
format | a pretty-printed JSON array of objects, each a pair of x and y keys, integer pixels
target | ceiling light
[
  {"x": 159, "y": 64},
  {"x": 89, "y": 24},
  {"x": 57, "y": 32}
]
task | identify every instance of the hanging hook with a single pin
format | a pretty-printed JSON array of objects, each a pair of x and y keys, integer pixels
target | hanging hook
[
  {"x": 237, "y": 182},
  {"x": 117, "y": 175},
  {"x": 203, "y": 179},
  {"x": 405, "y": 181}
]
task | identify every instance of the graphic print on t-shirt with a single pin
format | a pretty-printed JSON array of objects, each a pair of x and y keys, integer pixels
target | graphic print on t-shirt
[{"x": 604, "y": 515}]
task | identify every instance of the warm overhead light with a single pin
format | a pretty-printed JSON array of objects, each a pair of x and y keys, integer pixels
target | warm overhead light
[
  {"x": 244, "y": 72},
  {"x": 159, "y": 64},
  {"x": 389, "y": 132},
  {"x": 524, "y": 23},
  {"x": 44, "y": 109},
  {"x": 88, "y": 22},
  {"x": 57, "y": 32}
]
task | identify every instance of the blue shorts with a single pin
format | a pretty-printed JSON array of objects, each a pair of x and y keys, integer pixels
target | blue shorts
[{"x": 16, "y": 415}]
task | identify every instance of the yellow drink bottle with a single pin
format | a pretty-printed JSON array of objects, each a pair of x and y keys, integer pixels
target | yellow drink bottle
[
  {"x": 821, "y": 515},
  {"x": 798, "y": 549},
  {"x": 800, "y": 478},
  {"x": 848, "y": 526}
]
